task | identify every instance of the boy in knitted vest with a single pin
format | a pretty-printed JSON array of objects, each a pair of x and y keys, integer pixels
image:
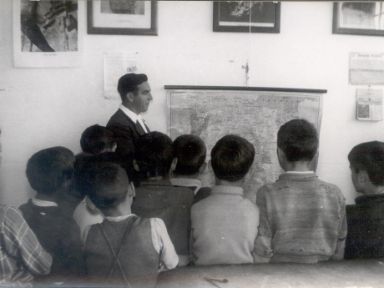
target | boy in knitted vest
[{"x": 124, "y": 248}]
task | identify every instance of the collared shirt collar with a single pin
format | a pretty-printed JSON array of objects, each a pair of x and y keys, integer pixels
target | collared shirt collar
[
  {"x": 43, "y": 203},
  {"x": 300, "y": 172},
  {"x": 132, "y": 115},
  {"x": 118, "y": 218},
  {"x": 230, "y": 190},
  {"x": 186, "y": 182}
]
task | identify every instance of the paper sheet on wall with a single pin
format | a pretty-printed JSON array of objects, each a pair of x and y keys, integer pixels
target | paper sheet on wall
[
  {"x": 369, "y": 104},
  {"x": 117, "y": 64},
  {"x": 366, "y": 69}
]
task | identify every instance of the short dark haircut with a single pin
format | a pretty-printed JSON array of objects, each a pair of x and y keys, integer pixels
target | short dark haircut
[
  {"x": 84, "y": 161},
  {"x": 48, "y": 169},
  {"x": 231, "y": 158},
  {"x": 96, "y": 138},
  {"x": 190, "y": 152},
  {"x": 298, "y": 140},
  {"x": 129, "y": 82},
  {"x": 369, "y": 157},
  {"x": 107, "y": 184},
  {"x": 154, "y": 154}
]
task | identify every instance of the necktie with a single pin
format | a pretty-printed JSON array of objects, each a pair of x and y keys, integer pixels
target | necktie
[{"x": 139, "y": 129}]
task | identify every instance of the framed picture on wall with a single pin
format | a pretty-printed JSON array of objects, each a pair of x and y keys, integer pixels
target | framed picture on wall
[
  {"x": 358, "y": 18},
  {"x": 246, "y": 16},
  {"x": 122, "y": 17},
  {"x": 46, "y": 33}
]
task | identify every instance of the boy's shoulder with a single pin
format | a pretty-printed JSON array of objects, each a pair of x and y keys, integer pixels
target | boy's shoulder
[
  {"x": 10, "y": 213},
  {"x": 284, "y": 183}
]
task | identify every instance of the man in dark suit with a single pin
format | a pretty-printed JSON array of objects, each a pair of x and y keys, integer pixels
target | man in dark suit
[{"x": 127, "y": 124}]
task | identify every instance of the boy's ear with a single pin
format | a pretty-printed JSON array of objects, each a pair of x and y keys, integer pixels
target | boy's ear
[
  {"x": 281, "y": 157},
  {"x": 131, "y": 190},
  {"x": 313, "y": 163},
  {"x": 362, "y": 177},
  {"x": 173, "y": 165},
  {"x": 202, "y": 168},
  {"x": 114, "y": 147},
  {"x": 136, "y": 166}
]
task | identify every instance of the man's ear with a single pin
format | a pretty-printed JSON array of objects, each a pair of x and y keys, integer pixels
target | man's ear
[{"x": 129, "y": 97}]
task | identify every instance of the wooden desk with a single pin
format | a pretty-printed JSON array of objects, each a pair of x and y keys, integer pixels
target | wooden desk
[{"x": 346, "y": 274}]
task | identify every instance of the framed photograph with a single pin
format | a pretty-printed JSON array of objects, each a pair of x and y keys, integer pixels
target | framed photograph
[
  {"x": 122, "y": 17},
  {"x": 46, "y": 33},
  {"x": 246, "y": 16},
  {"x": 358, "y": 18}
]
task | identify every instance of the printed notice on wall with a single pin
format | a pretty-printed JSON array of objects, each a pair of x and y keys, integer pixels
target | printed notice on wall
[
  {"x": 117, "y": 64},
  {"x": 369, "y": 104},
  {"x": 366, "y": 69}
]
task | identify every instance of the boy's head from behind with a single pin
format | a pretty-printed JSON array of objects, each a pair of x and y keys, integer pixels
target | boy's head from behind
[
  {"x": 367, "y": 166},
  {"x": 231, "y": 158},
  {"x": 107, "y": 185},
  {"x": 97, "y": 139},
  {"x": 50, "y": 169},
  {"x": 297, "y": 141},
  {"x": 154, "y": 154},
  {"x": 190, "y": 152}
]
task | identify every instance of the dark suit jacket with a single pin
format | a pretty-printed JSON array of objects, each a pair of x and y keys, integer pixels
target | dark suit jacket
[{"x": 125, "y": 132}]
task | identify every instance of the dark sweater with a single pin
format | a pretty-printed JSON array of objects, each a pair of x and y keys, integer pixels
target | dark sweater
[
  {"x": 365, "y": 227},
  {"x": 170, "y": 203},
  {"x": 60, "y": 236}
]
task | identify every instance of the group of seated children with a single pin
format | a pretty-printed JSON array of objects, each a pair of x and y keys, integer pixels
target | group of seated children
[{"x": 111, "y": 231}]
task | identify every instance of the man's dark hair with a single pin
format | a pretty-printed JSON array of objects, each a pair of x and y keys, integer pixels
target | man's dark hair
[
  {"x": 129, "y": 82},
  {"x": 107, "y": 184},
  {"x": 96, "y": 138},
  {"x": 298, "y": 140},
  {"x": 48, "y": 169},
  {"x": 369, "y": 157},
  {"x": 190, "y": 152},
  {"x": 154, "y": 154},
  {"x": 231, "y": 158}
]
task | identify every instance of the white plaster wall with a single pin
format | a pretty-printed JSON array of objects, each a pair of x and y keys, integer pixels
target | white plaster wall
[{"x": 45, "y": 107}]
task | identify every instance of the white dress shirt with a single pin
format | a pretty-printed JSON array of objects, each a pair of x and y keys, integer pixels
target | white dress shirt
[{"x": 134, "y": 117}]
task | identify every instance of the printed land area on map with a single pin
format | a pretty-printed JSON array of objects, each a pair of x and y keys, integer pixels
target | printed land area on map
[{"x": 254, "y": 115}]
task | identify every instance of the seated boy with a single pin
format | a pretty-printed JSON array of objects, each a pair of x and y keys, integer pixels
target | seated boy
[
  {"x": 97, "y": 144},
  {"x": 302, "y": 218},
  {"x": 21, "y": 255},
  {"x": 49, "y": 173},
  {"x": 365, "y": 219},
  {"x": 224, "y": 225},
  {"x": 190, "y": 152},
  {"x": 157, "y": 197},
  {"x": 124, "y": 248}
]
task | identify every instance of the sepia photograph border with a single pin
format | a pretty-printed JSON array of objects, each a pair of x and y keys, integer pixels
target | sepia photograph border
[
  {"x": 92, "y": 29},
  {"x": 44, "y": 59},
  {"x": 217, "y": 27},
  {"x": 338, "y": 29}
]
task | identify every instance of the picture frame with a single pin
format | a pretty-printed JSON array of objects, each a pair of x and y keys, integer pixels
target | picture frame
[
  {"x": 358, "y": 18},
  {"x": 46, "y": 33},
  {"x": 122, "y": 17},
  {"x": 246, "y": 16}
]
